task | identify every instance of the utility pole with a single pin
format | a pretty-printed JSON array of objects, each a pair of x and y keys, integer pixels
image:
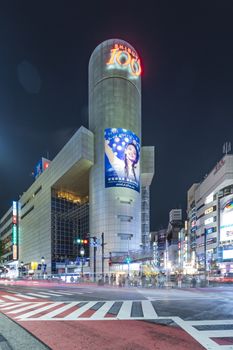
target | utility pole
[
  {"x": 95, "y": 248},
  {"x": 102, "y": 245},
  {"x": 205, "y": 256}
]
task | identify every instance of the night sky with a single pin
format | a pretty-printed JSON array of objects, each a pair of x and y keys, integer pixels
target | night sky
[{"x": 187, "y": 109}]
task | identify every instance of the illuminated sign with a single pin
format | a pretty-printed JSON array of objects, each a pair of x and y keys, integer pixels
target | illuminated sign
[
  {"x": 209, "y": 199},
  {"x": 211, "y": 230},
  {"x": 226, "y": 218},
  {"x": 125, "y": 58},
  {"x": 14, "y": 234},
  {"x": 15, "y": 255},
  {"x": 14, "y": 206},
  {"x": 209, "y": 210},
  {"x": 227, "y": 254},
  {"x": 122, "y": 159},
  {"x": 209, "y": 220}
]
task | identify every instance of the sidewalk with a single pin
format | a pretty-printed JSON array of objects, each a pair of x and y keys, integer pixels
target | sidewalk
[{"x": 14, "y": 337}]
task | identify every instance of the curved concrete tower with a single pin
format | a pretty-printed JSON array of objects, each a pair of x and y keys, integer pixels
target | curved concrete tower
[{"x": 115, "y": 120}]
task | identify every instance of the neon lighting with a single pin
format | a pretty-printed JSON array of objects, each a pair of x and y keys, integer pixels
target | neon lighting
[
  {"x": 15, "y": 255},
  {"x": 123, "y": 57},
  {"x": 229, "y": 205},
  {"x": 14, "y": 234}
]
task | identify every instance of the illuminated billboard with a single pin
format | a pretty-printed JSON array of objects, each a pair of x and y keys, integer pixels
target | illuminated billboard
[
  {"x": 226, "y": 218},
  {"x": 122, "y": 159},
  {"x": 14, "y": 230},
  {"x": 40, "y": 167},
  {"x": 227, "y": 254},
  {"x": 122, "y": 57}
]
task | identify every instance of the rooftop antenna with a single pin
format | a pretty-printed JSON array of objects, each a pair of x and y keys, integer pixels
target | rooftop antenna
[
  {"x": 48, "y": 155},
  {"x": 226, "y": 147}
]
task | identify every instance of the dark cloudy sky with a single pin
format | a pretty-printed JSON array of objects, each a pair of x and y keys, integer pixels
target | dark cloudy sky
[{"x": 187, "y": 52}]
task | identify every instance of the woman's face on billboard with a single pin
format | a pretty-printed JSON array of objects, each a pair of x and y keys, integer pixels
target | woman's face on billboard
[{"x": 131, "y": 153}]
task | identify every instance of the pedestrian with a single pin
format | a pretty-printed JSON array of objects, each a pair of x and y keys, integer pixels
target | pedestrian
[
  {"x": 194, "y": 282},
  {"x": 179, "y": 281},
  {"x": 111, "y": 279},
  {"x": 106, "y": 279}
]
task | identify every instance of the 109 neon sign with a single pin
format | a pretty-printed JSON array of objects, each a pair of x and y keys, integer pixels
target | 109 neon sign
[{"x": 123, "y": 57}]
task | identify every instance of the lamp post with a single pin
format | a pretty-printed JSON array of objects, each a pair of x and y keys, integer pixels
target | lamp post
[
  {"x": 21, "y": 265},
  {"x": 42, "y": 265},
  {"x": 82, "y": 253}
]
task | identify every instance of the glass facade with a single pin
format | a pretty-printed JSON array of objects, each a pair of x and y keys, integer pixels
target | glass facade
[{"x": 69, "y": 222}]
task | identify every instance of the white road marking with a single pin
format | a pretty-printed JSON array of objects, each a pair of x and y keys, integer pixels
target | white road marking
[
  {"x": 11, "y": 298},
  {"x": 25, "y": 296},
  {"x": 38, "y": 295},
  {"x": 101, "y": 312},
  {"x": 31, "y": 306},
  {"x": 125, "y": 310},
  {"x": 51, "y": 294},
  {"x": 15, "y": 306},
  {"x": 203, "y": 337},
  {"x": 51, "y": 314},
  {"x": 148, "y": 310},
  {"x": 74, "y": 315},
  {"x": 37, "y": 311}
]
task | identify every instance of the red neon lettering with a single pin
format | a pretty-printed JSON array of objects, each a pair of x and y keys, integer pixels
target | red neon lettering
[
  {"x": 127, "y": 61},
  {"x": 132, "y": 62},
  {"x": 113, "y": 52},
  {"x": 135, "y": 71}
]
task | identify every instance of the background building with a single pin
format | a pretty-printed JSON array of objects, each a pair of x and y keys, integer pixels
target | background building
[{"x": 211, "y": 218}]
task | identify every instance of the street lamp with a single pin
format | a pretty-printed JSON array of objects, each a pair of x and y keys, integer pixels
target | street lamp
[
  {"x": 21, "y": 265},
  {"x": 42, "y": 265},
  {"x": 82, "y": 253}
]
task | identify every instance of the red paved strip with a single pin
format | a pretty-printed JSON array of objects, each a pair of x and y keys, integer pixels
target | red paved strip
[
  {"x": 67, "y": 312},
  {"x": 26, "y": 311},
  {"x": 88, "y": 313},
  {"x": 46, "y": 311},
  {"x": 110, "y": 315},
  {"x": 114, "y": 335},
  {"x": 223, "y": 340}
]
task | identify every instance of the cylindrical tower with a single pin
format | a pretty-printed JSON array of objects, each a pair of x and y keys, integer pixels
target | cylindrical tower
[{"x": 115, "y": 120}]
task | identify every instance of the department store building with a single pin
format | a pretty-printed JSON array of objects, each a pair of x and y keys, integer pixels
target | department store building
[{"x": 99, "y": 183}]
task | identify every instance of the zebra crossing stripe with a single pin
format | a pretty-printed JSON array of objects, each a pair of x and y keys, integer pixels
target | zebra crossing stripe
[
  {"x": 62, "y": 292},
  {"x": 52, "y": 294},
  {"x": 101, "y": 312},
  {"x": 39, "y": 310},
  {"x": 74, "y": 315},
  {"x": 125, "y": 310},
  {"x": 28, "y": 307},
  {"x": 14, "y": 306},
  {"x": 38, "y": 295},
  {"x": 199, "y": 336},
  {"x": 25, "y": 296},
  {"x": 148, "y": 310},
  {"x": 11, "y": 298},
  {"x": 54, "y": 313}
]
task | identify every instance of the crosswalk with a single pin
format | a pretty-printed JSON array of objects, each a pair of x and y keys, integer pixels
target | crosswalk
[
  {"x": 12, "y": 296},
  {"x": 74, "y": 311},
  {"x": 211, "y": 334}
]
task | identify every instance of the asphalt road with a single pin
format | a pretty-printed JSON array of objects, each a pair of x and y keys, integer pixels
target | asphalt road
[{"x": 125, "y": 318}]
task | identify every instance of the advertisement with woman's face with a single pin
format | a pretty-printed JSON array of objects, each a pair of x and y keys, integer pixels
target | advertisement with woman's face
[
  {"x": 226, "y": 218},
  {"x": 122, "y": 159}
]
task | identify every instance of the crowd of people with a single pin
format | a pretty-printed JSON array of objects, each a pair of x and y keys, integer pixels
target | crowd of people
[{"x": 159, "y": 280}]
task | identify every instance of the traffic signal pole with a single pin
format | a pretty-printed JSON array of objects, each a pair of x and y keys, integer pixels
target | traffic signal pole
[
  {"x": 95, "y": 248},
  {"x": 102, "y": 245}
]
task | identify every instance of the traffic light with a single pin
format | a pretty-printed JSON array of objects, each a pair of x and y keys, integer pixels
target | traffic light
[
  {"x": 110, "y": 259},
  {"x": 82, "y": 241},
  {"x": 128, "y": 260}
]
